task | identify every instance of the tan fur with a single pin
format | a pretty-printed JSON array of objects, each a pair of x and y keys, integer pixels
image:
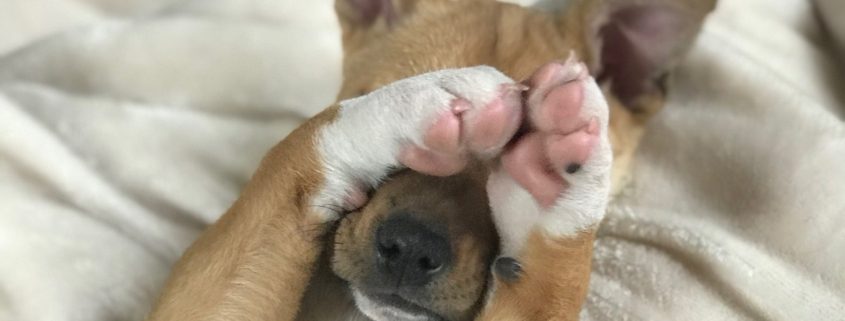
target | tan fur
[
  {"x": 253, "y": 263},
  {"x": 553, "y": 284},
  {"x": 256, "y": 261}
]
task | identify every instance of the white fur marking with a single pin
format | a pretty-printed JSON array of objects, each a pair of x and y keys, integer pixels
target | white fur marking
[{"x": 379, "y": 312}]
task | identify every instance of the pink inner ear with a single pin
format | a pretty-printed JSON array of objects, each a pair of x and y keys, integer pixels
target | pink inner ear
[
  {"x": 371, "y": 10},
  {"x": 638, "y": 44}
]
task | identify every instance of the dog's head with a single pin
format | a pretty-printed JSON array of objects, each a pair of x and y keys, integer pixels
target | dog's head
[{"x": 421, "y": 248}]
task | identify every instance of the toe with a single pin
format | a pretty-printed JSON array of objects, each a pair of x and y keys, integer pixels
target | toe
[
  {"x": 559, "y": 110},
  {"x": 569, "y": 151},
  {"x": 527, "y": 163},
  {"x": 444, "y": 136},
  {"x": 491, "y": 127},
  {"x": 466, "y": 129}
]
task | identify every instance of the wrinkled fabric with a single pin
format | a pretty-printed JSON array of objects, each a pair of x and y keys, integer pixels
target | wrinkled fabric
[
  {"x": 830, "y": 12},
  {"x": 126, "y": 127},
  {"x": 737, "y": 207}
]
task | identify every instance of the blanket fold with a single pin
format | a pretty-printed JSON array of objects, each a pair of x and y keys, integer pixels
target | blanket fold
[{"x": 126, "y": 127}]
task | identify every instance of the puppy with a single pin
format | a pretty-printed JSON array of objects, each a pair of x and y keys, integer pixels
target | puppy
[{"x": 518, "y": 175}]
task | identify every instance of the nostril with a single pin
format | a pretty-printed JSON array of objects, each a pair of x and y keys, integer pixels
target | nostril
[
  {"x": 410, "y": 253},
  {"x": 429, "y": 265},
  {"x": 389, "y": 251}
]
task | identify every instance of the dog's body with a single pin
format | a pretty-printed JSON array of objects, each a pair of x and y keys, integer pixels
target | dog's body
[{"x": 541, "y": 157}]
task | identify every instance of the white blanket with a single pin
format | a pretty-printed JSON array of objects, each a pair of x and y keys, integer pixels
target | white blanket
[{"x": 128, "y": 126}]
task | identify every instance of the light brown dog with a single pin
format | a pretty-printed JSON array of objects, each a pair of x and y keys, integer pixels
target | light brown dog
[{"x": 261, "y": 261}]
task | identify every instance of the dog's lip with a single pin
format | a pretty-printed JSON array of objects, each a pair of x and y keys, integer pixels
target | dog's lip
[{"x": 398, "y": 302}]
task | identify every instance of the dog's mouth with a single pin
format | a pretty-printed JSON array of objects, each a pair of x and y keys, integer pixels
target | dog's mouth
[{"x": 391, "y": 307}]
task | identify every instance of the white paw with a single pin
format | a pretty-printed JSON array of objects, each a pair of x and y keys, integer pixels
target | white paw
[
  {"x": 571, "y": 158},
  {"x": 430, "y": 123}
]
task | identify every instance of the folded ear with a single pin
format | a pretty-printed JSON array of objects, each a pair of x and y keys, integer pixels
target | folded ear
[
  {"x": 366, "y": 20},
  {"x": 632, "y": 44},
  {"x": 362, "y": 20}
]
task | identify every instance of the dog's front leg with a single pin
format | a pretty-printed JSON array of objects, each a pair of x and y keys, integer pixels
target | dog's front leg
[
  {"x": 255, "y": 262},
  {"x": 548, "y": 196}
]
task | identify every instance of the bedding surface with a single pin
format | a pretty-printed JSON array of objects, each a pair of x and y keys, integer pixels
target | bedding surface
[{"x": 127, "y": 126}]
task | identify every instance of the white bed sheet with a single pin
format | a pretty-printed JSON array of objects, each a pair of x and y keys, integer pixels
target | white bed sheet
[{"x": 128, "y": 126}]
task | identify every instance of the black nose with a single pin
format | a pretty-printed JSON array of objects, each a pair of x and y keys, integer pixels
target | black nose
[{"x": 409, "y": 253}]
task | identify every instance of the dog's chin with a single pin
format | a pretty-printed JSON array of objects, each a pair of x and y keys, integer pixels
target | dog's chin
[{"x": 397, "y": 310}]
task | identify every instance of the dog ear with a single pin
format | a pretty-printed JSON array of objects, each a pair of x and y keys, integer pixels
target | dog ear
[
  {"x": 365, "y": 20},
  {"x": 632, "y": 44},
  {"x": 362, "y": 20},
  {"x": 368, "y": 13}
]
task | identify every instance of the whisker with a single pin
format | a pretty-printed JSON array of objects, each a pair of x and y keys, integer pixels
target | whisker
[{"x": 337, "y": 210}]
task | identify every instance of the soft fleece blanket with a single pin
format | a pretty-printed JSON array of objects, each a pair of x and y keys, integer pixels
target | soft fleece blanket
[{"x": 128, "y": 126}]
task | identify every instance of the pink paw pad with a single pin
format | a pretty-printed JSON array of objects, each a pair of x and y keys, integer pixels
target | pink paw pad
[
  {"x": 466, "y": 130},
  {"x": 560, "y": 138}
]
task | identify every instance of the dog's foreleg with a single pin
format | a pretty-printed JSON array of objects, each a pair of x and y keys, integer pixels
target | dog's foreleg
[
  {"x": 548, "y": 196},
  {"x": 255, "y": 262}
]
